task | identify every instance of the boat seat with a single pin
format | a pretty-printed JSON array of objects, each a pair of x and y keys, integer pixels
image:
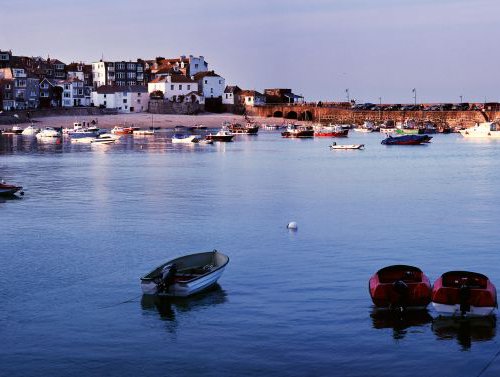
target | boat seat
[
  {"x": 389, "y": 277},
  {"x": 458, "y": 281}
]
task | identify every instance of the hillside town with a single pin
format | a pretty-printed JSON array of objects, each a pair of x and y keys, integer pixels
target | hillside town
[{"x": 184, "y": 85}]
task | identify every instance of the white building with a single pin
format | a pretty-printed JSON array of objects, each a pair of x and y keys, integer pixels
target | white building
[
  {"x": 231, "y": 95},
  {"x": 173, "y": 87},
  {"x": 124, "y": 99},
  {"x": 252, "y": 98},
  {"x": 210, "y": 84}
]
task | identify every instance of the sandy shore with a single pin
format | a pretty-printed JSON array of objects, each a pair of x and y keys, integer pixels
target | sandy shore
[{"x": 144, "y": 120}]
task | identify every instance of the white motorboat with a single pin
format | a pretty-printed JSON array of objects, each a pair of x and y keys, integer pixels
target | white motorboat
[
  {"x": 104, "y": 139},
  {"x": 387, "y": 130},
  {"x": 336, "y": 146},
  {"x": 30, "y": 131},
  {"x": 184, "y": 139},
  {"x": 48, "y": 133},
  {"x": 143, "y": 132},
  {"x": 482, "y": 130},
  {"x": 185, "y": 276},
  {"x": 205, "y": 142},
  {"x": 83, "y": 140}
]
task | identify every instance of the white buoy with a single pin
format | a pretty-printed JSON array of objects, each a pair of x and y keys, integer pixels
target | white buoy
[{"x": 292, "y": 225}]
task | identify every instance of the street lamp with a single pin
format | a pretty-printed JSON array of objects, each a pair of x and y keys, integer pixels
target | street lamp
[
  {"x": 461, "y": 101},
  {"x": 347, "y": 93},
  {"x": 414, "y": 95}
]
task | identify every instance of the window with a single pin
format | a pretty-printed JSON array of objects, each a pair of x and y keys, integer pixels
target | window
[
  {"x": 196, "y": 65},
  {"x": 125, "y": 101},
  {"x": 227, "y": 96},
  {"x": 67, "y": 95},
  {"x": 104, "y": 102},
  {"x": 180, "y": 87},
  {"x": 32, "y": 94},
  {"x": 44, "y": 86},
  {"x": 206, "y": 81},
  {"x": 220, "y": 81},
  {"x": 138, "y": 94},
  {"x": 189, "y": 87},
  {"x": 105, "y": 97},
  {"x": 44, "y": 94},
  {"x": 211, "y": 90},
  {"x": 138, "y": 101},
  {"x": 171, "y": 87},
  {"x": 7, "y": 86},
  {"x": 66, "y": 86}
]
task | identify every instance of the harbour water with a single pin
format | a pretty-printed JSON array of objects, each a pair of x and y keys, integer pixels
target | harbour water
[{"x": 94, "y": 220}]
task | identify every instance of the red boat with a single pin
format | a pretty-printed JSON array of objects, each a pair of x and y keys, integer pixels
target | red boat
[
  {"x": 331, "y": 131},
  {"x": 464, "y": 293},
  {"x": 400, "y": 286},
  {"x": 8, "y": 190}
]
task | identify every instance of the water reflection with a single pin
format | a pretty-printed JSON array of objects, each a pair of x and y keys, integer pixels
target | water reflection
[
  {"x": 465, "y": 330},
  {"x": 399, "y": 321},
  {"x": 169, "y": 308}
]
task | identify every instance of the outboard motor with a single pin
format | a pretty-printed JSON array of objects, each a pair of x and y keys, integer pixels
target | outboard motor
[
  {"x": 464, "y": 295},
  {"x": 167, "y": 278},
  {"x": 401, "y": 288}
]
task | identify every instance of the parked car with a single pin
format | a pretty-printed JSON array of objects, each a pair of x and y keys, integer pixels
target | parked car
[
  {"x": 446, "y": 106},
  {"x": 433, "y": 108},
  {"x": 393, "y": 107},
  {"x": 461, "y": 106}
]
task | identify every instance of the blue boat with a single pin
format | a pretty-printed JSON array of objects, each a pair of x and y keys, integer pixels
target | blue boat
[{"x": 407, "y": 140}]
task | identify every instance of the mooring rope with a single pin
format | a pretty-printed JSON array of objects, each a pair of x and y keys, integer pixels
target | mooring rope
[
  {"x": 121, "y": 303},
  {"x": 489, "y": 363}
]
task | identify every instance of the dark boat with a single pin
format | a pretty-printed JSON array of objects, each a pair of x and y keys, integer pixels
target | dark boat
[
  {"x": 294, "y": 131},
  {"x": 464, "y": 293},
  {"x": 222, "y": 135},
  {"x": 407, "y": 140},
  {"x": 400, "y": 286},
  {"x": 248, "y": 129},
  {"x": 8, "y": 190}
]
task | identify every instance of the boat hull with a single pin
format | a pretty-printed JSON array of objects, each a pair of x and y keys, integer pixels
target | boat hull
[
  {"x": 187, "y": 286},
  {"x": 386, "y": 290},
  {"x": 222, "y": 138},
  {"x": 7, "y": 190},
  {"x": 244, "y": 130},
  {"x": 347, "y": 147},
  {"x": 299, "y": 134},
  {"x": 343, "y": 133},
  {"x": 464, "y": 293},
  {"x": 407, "y": 140}
]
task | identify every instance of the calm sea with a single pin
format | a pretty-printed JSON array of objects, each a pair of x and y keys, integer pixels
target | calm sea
[{"x": 94, "y": 220}]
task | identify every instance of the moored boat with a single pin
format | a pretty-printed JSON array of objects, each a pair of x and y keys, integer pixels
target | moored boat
[
  {"x": 464, "y": 293},
  {"x": 48, "y": 133},
  {"x": 8, "y": 190},
  {"x": 186, "y": 275},
  {"x": 294, "y": 131},
  {"x": 15, "y": 130},
  {"x": 222, "y": 135},
  {"x": 118, "y": 130},
  {"x": 332, "y": 130},
  {"x": 104, "y": 139},
  {"x": 247, "y": 129},
  {"x": 184, "y": 139},
  {"x": 30, "y": 131},
  {"x": 400, "y": 286},
  {"x": 140, "y": 132},
  {"x": 482, "y": 130},
  {"x": 336, "y": 146},
  {"x": 406, "y": 140}
]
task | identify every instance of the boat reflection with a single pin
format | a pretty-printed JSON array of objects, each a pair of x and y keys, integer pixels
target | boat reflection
[
  {"x": 465, "y": 330},
  {"x": 170, "y": 307},
  {"x": 399, "y": 321}
]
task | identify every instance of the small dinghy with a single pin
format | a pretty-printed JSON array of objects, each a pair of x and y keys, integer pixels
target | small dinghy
[
  {"x": 400, "y": 286},
  {"x": 464, "y": 293},
  {"x": 186, "y": 275},
  {"x": 9, "y": 190},
  {"x": 184, "y": 139},
  {"x": 346, "y": 146}
]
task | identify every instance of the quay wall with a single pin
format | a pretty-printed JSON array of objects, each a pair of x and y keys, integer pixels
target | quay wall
[{"x": 344, "y": 115}]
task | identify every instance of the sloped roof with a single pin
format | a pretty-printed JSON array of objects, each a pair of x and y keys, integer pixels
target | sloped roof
[
  {"x": 200, "y": 75},
  {"x": 252, "y": 93},
  {"x": 232, "y": 89},
  {"x": 181, "y": 79}
]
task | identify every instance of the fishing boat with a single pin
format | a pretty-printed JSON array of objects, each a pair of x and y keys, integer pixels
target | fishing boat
[
  {"x": 336, "y": 146},
  {"x": 464, "y": 293},
  {"x": 118, "y": 130},
  {"x": 104, "y": 139},
  {"x": 48, "y": 133},
  {"x": 400, "y": 286},
  {"x": 482, "y": 130},
  {"x": 407, "y": 140},
  {"x": 222, "y": 135},
  {"x": 8, "y": 190},
  {"x": 81, "y": 130},
  {"x": 30, "y": 131},
  {"x": 294, "y": 131},
  {"x": 247, "y": 129},
  {"x": 367, "y": 127},
  {"x": 186, "y": 275},
  {"x": 184, "y": 139},
  {"x": 332, "y": 130}
]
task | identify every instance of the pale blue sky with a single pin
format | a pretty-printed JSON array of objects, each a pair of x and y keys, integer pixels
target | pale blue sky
[{"x": 444, "y": 48}]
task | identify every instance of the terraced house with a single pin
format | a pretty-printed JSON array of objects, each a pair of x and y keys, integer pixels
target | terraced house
[{"x": 118, "y": 73}]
